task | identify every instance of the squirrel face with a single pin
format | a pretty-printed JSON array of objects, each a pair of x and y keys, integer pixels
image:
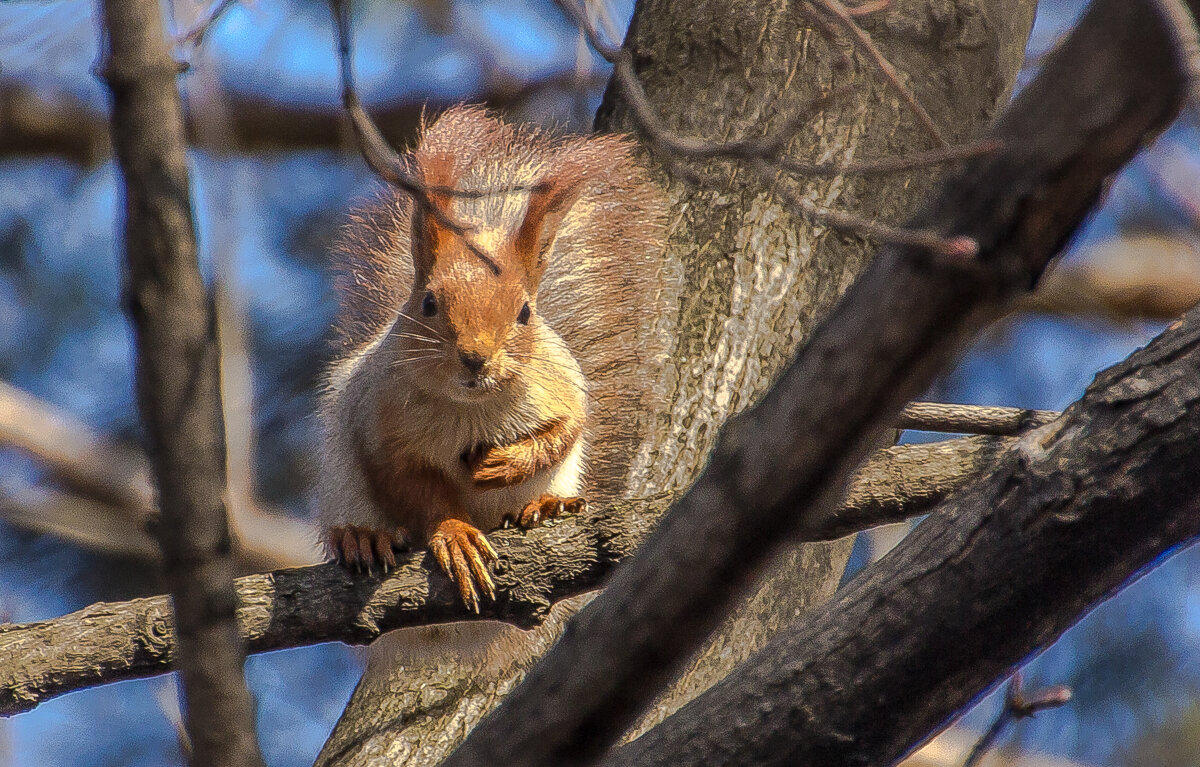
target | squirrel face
[
  {"x": 465, "y": 331},
  {"x": 470, "y": 323}
]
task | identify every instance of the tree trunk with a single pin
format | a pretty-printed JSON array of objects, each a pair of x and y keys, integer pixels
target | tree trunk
[{"x": 756, "y": 278}]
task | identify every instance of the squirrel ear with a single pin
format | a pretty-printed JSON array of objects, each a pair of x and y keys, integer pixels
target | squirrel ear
[
  {"x": 429, "y": 233},
  {"x": 548, "y": 206}
]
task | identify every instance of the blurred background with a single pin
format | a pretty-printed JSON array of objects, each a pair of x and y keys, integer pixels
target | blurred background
[{"x": 274, "y": 170}]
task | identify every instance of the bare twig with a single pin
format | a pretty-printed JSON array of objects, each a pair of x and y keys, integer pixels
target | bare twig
[
  {"x": 194, "y": 37},
  {"x": 177, "y": 380},
  {"x": 959, "y": 249},
  {"x": 1017, "y": 705},
  {"x": 972, "y": 419},
  {"x": 863, "y": 42},
  {"x": 387, "y": 164},
  {"x": 886, "y": 165},
  {"x": 763, "y": 154}
]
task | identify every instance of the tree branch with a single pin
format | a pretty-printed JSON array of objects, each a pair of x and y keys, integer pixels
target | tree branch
[
  {"x": 1067, "y": 515},
  {"x": 33, "y": 123},
  {"x": 971, "y": 419},
  {"x": 1114, "y": 84},
  {"x": 763, "y": 154},
  {"x": 111, "y": 507},
  {"x": 113, "y": 642},
  {"x": 178, "y": 380}
]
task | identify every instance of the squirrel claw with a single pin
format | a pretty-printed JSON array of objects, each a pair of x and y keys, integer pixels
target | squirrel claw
[
  {"x": 548, "y": 506},
  {"x": 360, "y": 548},
  {"x": 464, "y": 554}
]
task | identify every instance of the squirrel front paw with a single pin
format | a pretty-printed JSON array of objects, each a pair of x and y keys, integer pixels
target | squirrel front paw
[
  {"x": 548, "y": 506},
  {"x": 499, "y": 466},
  {"x": 360, "y": 548},
  {"x": 464, "y": 554}
]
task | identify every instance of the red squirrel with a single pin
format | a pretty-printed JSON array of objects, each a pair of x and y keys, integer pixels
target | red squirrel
[{"x": 457, "y": 401}]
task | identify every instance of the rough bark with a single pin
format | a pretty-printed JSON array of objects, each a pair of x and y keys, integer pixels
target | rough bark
[
  {"x": 1068, "y": 514},
  {"x": 756, "y": 279},
  {"x": 177, "y": 381},
  {"x": 110, "y": 642}
]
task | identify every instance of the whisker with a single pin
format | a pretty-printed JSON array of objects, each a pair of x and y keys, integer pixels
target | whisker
[
  {"x": 405, "y": 360},
  {"x": 369, "y": 297},
  {"x": 432, "y": 330},
  {"x": 415, "y": 337}
]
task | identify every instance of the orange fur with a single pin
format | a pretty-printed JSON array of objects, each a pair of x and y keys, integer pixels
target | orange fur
[{"x": 516, "y": 462}]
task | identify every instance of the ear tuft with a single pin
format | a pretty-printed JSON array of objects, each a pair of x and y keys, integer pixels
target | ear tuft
[
  {"x": 549, "y": 205},
  {"x": 428, "y": 233}
]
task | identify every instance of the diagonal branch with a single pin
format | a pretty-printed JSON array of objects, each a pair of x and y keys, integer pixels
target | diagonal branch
[
  {"x": 1114, "y": 84},
  {"x": 1062, "y": 520},
  {"x": 111, "y": 506}
]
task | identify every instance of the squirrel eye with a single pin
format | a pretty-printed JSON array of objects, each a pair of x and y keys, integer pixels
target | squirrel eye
[
  {"x": 429, "y": 304},
  {"x": 523, "y": 317}
]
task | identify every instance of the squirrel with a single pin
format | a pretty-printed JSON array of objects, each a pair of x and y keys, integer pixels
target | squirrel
[{"x": 469, "y": 334}]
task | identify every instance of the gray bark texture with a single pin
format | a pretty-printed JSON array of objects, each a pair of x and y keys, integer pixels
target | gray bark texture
[{"x": 756, "y": 278}]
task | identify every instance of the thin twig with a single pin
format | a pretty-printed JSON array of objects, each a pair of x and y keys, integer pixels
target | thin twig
[
  {"x": 885, "y": 165},
  {"x": 862, "y": 40},
  {"x": 1017, "y": 706},
  {"x": 763, "y": 153},
  {"x": 194, "y": 37},
  {"x": 388, "y": 165},
  {"x": 958, "y": 249}
]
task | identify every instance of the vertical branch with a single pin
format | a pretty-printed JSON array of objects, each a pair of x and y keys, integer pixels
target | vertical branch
[{"x": 177, "y": 380}]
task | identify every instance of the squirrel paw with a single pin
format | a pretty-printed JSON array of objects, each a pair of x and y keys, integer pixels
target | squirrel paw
[
  {"x": 497, "y": 466},
  {"x": 547, "y": 507},
  {"x": 360, "y": 548},
  {"x": 464, "y": 554}
]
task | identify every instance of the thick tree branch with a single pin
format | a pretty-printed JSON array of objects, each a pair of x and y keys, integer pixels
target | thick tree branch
[
  {"x": 1113, "y": 85},
  {"x": 178, "y": 380},
  {"x": 1068, "y": 515},
  {"x": 112, "y": 642}
]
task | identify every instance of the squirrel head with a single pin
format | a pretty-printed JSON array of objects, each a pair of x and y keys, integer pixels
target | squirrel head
[{"x": 471, "y": 324}]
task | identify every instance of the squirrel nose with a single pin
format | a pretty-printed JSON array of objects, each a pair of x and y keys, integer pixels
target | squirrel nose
[{"x": 472, "y": 361}]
